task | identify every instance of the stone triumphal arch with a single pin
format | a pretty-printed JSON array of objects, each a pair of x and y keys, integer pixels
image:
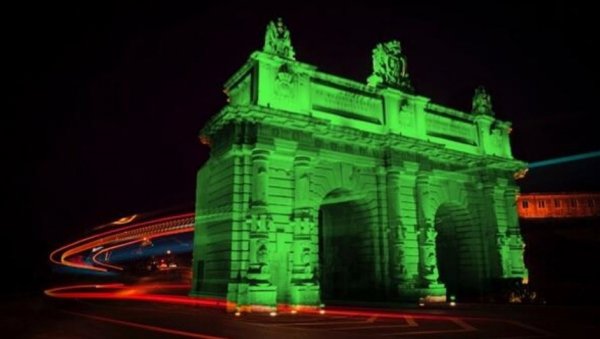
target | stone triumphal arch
[{"x": 322, "y": 188}]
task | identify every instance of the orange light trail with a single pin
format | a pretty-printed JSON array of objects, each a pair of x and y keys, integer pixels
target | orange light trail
[
  {"x": 124, "y": 220},
  {"x": 134, "y": 293},
  {"x": 175, "y": 224}
]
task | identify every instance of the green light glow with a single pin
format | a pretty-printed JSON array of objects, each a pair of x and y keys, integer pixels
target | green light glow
[{"x": 321, "y": 188}]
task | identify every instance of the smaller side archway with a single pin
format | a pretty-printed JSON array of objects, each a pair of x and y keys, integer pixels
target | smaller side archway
[{"x": 459, "y": 251}]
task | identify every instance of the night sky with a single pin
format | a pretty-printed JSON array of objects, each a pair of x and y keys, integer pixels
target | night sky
[{"x": 110, "y": 99}]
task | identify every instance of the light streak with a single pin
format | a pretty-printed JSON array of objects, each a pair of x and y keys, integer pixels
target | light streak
[
  {"x": 122, "y": 292},
  {"x": 156, "y": 235},
  {"x": 134, "y": 293},
  {"x": 54, "y": 292},
  {"x": 95, "y": 260},
  {"x": 153, "y": 228},
  {"x": 566, "y": 159},
  {"x": 143, "y": 293},
  {"x": 125, "y": 220},
  {"x": 121, "y": 221}
]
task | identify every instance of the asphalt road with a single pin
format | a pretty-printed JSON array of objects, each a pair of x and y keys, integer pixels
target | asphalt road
[{"x": 52, "y": 318}]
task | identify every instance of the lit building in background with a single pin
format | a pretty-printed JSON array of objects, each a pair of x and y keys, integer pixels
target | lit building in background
[{"x": 558, "y": 205}]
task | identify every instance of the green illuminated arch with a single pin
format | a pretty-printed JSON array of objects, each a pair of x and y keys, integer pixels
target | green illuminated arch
[{"x": 303, "y": 162}]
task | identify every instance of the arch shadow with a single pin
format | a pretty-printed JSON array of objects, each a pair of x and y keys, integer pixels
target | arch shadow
[
  {"x": 346, "y": 249},
  {"x": 459, "y": 251}
]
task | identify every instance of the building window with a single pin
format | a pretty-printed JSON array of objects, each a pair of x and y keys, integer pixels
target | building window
[
  {"x": 525, "y": 204},
  {"x": 590, "y": 203},
  {"x": 556, "y": 203},
  {"x": 541, "y": 204},
  {"x": 573, "y": 203}
]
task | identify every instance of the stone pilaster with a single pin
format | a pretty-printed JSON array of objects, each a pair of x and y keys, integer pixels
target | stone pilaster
[
  {"x": 260, "y": 175},
  {"x": 516, "y": 246},
  {"x": 260, "y": 236},
  {"x": 304, "y": 263},
  {"x": 428, "y": 267},
  {"x": 398, "y": 230}
]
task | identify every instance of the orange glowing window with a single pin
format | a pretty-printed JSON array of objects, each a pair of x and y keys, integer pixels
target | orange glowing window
[
  {"x": 541, "y": 204},
  {"x": 525, "y": 204},
  {"x": 557, "y": 203}
]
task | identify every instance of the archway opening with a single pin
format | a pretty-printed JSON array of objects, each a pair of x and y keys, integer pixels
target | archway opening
[
  {"x": 345, "y": 248},
  {"x": 459, "y": 252}
]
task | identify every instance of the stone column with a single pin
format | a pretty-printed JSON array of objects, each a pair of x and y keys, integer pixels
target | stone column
[
  {"x": 403, "y": 220},
  {"x": 516, "y": 246},
  {"x": 380, "y": 233},
  {"x": 398, "y": 231},
  {"x": 490, "y": 229},
  {"x": 259, "y": 225},
  {"x": 428, "y": 268},
  {"x": 305, "y": 284},
  {"x": 260, "y": 177},
  {"x": 259, "y": 254},
  {"x": 301, "y": 184},
  {"x": 502, "y": 239}
]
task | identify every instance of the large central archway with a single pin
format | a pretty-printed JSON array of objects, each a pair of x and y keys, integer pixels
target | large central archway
[
  {"x": 459, "y": 252},
  {"x": 345, "y": 248}
]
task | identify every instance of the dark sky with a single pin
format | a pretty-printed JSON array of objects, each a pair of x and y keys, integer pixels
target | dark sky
[{"x": 110, "y": 98}]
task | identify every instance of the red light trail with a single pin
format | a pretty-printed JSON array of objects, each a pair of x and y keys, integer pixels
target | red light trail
[
  {"x": 145, "y": 293},
  {"x": 135, "y": 293}
]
